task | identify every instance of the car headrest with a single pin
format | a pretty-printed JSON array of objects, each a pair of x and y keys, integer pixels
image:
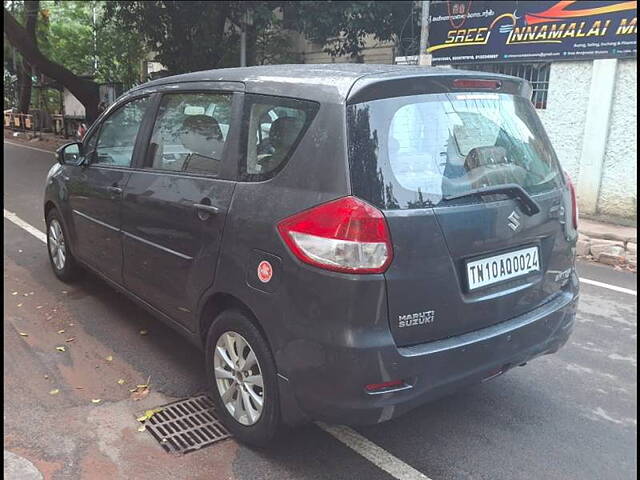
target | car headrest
[
  {"x": 485, "y": 156},
  {"x": 283, "y": 132},
  {"x": 203, "y": 125}
]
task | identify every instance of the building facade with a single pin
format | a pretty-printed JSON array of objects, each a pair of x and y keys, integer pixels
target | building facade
[{"x": 588, "y": 104}]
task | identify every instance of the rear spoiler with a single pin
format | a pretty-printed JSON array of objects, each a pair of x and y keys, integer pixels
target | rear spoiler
[{"x": 369, "y": 88}]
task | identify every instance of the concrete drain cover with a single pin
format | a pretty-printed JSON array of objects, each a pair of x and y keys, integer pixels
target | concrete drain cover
[{"x": 186, "y": 425}]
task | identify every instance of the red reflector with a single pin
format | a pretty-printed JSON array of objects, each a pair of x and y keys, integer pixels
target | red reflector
[
  {"x": 376, "y": 387},
  {"x": 476, "y": 83}
]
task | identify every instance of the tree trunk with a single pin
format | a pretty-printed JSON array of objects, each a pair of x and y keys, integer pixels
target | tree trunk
[
  {"x": 85, "y": 91},
  {"x": 31, "y": 9},
  {"x": 24, "y": 99},
  {"x": 252, "y": 37}
]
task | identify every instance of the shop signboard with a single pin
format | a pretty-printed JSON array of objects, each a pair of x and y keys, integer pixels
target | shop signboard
[{"x": 525, "y": 31}]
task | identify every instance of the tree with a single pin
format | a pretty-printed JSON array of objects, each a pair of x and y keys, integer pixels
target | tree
[
  {"x": 25, "y": 73},
  {"x": 79, "y": 36},
  {"x": 187, "y": 36},
  {"x": 86, "y": 91},
  {"x": 343, "y": 26},
  {"x": 209, "y": 31}
]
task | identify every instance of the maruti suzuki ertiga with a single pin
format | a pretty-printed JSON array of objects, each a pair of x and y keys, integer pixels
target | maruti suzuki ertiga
[{"x": 344, "y": 242}]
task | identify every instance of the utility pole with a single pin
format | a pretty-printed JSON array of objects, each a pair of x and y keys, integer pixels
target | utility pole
[
  {"x": 424, "y": 58},
  {"x": 243, "y": 41},
  {"x": 95, "y": 42}
]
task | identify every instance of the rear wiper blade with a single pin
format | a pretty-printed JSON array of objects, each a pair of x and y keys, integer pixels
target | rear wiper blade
[{"x": 529, "y": 205}]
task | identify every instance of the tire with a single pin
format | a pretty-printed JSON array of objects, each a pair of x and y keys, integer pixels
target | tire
[
  {"x": 244, "y": 389},
  {"x": 64, "y": 266}
]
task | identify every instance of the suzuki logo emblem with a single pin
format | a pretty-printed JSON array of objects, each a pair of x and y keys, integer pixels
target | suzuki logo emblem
[{"x": 514, "y": 221}]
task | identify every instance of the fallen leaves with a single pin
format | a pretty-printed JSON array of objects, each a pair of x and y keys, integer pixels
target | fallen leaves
[
  {"x": 23, "y": 334},
  {"x": 14, "y": 293},
  {"x": 60, "y": 331},
  {"x": 144, "y": 332},
  {"x": 19, "y": 305},
  {"x": 148, "y": 414},
  {"x": 55, "y": 391},
  {"x": 121, "y": 381},
  {"x": 142, "y": 428},
  {"x": 96, "y": 400},
  {"x": 109, "y": 358},
  {"x": 70, "y": 339},
  {"x": 141, "y": 391},
  {"x": 61, "y": 349}
]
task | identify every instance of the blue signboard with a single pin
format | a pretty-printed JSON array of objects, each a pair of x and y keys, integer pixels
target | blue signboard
[{"x": 524, "y": 31}]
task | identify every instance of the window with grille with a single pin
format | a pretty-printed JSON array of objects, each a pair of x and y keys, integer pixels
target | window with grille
[{"x": 536, "y": 73}]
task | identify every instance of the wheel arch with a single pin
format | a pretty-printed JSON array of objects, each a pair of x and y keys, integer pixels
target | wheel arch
[
  {"x": 219, "y": 302},
  {"x": 48, "y": 206}
]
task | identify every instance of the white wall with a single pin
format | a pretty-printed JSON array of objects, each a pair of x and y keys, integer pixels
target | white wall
[
  {"x": 565, "y": 119},
  {"x": 619, "y": 187},
  {"x": 566, "y": 112}
]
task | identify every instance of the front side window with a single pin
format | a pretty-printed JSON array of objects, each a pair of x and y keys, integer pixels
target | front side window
[
  {"x": 415, "y": 151},
  {"x": 117, "y": 136},
  {"x": 190, "y": 132},
  {"x": 274, "y": 127}
]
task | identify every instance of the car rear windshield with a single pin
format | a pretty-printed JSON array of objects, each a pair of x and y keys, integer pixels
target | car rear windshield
[{"x": 414, "y": 151}]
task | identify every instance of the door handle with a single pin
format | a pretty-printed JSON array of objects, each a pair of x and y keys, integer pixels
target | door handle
[
  {"x": 114, "y": 189},
  {"x": 201, "y": 207}
]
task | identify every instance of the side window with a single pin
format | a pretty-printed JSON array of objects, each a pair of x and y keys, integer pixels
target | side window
[
  {"x": 274, "y": 127},
  {"x": 118, "y": 133},
  {"x": 90, "y": 144},
  {"x": 190, "y": 132}
]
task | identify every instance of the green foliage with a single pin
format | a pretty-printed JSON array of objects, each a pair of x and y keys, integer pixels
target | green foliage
[
  {"x": 185, "y": 36},
  {"x": 65, "y": 34},
  {"x": 76, "y": 34},
  {"x": 343, "y": 26},
  {"x": 200, "y": 35}
]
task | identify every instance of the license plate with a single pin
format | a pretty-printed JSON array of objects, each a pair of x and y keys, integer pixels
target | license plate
[{"x": 498, "y": 268}]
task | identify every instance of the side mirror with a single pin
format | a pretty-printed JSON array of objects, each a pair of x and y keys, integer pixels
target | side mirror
[{"x": 70, "y": 154}]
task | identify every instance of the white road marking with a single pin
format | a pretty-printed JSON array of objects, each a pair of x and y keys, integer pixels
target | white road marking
[
  {"x": 12, "y": 217},
  {"x": 615, "y": 288},
  {"x": 369, "y": 450},
  {"x": 372, "y": 452},
  {"x": 28, "y": 146},
  {"x": 352, "y": 439}
]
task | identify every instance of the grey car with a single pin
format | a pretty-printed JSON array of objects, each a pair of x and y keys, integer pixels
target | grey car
[{"x": 345, "y": 243}]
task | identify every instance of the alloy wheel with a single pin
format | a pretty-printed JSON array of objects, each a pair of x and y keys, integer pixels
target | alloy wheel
[
  {"x": 57, "y": 247},
  {"x": 239, "y": 378}
]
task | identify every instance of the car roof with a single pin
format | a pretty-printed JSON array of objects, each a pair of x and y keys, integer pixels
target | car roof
[{"x": 328, "y": 83}]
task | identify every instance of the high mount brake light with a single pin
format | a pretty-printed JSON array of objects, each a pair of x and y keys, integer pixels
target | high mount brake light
[
  {"x": 381, "y": 387},
  {"x": 345, "y": 235},
  {"x": 574, "y": 200},
  {"x": 477, "y": 83}
]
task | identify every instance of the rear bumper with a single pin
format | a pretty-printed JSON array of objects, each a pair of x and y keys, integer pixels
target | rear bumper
[{"x": 331, "y": 385}]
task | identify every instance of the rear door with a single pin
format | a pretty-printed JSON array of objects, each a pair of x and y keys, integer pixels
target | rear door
[
  {"x": 176, "y": 201},
  {"x": 462, "y": 261}
]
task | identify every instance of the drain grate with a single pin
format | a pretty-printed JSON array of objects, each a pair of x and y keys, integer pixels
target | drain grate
[{"x": 187, "y": 425}]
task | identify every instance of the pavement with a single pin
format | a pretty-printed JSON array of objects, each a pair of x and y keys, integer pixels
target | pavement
[{"x": 571, "y": 415}]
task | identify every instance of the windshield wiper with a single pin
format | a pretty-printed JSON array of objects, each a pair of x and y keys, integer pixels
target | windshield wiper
[{"x": 529, "y": 205}]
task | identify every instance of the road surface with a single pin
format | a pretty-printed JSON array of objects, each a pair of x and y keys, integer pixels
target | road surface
[{"x": 571, "y": 415}]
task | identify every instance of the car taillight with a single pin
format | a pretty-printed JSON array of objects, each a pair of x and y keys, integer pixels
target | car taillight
[
  {"x": 574, "y": 200},
  {"x": 344, "y": 235}
]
